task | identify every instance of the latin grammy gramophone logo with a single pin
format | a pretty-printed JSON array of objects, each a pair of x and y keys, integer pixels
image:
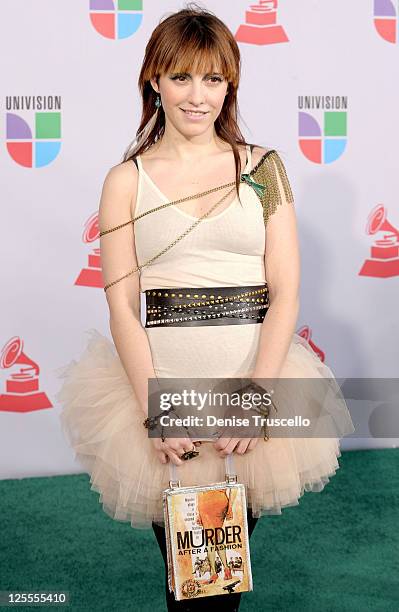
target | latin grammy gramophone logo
[
  {"x": 384, "y": 253},
  {"x": 22, "y": 392},
  {"x": 91, "y": 275},
  {"x": 386, "y": 19},
  {"x": 306, "y": 333},
  {"x": 116, "y": 19},
  {"x": 260, "y": 27}
]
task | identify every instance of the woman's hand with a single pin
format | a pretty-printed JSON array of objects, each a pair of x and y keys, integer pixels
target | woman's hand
[
  {"x": 226, "y": 443},
  {"x": 226, "y": 446},
  {"x": 172, "y": 448}
]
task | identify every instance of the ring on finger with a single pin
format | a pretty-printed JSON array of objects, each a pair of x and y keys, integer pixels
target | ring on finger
[{"x": 190, "y": 454}]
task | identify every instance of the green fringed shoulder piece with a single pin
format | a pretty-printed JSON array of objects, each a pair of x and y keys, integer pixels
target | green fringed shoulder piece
[{"x": 263, "y": 179}]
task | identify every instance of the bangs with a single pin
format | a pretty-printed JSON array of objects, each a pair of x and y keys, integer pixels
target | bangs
[{"x": 201, "y": 53}]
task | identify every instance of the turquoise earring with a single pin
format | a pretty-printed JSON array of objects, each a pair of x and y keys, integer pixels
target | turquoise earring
[{"x": 158, "y": 101}]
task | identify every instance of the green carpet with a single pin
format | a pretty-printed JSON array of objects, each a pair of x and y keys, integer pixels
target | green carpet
[{"x": 336, "y": 551}]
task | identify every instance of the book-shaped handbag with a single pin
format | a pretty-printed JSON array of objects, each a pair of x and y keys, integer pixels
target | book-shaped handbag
[{"x": 207, "y": 538}]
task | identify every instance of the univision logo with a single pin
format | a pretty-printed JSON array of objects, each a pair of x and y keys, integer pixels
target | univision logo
[
  {"x": 37, "y": 142},
  {"x": 119, "y": 22},
  {"x": 322, "y": 133},
  {"x": 386, "y": 19}
]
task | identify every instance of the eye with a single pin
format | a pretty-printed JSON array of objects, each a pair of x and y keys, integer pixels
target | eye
[
  {"x": 182, "y": 77},
  {"x": 178, "y": 77}
]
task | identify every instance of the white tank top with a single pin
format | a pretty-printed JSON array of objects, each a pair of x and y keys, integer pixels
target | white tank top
[{"x": 226, "y": 249}]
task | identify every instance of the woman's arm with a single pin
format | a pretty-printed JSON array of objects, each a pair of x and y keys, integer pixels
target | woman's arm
[
  {"x": 282, "y": 269},
  {"x": 118, "y": 256}
]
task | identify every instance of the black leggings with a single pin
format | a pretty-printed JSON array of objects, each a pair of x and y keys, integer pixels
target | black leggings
[{"x": 224, "y": 603}]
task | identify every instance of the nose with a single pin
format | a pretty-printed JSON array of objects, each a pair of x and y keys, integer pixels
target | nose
[{"x": 197, "y": 92}]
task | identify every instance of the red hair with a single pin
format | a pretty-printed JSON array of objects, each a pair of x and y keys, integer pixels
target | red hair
[{"x": 192, "y": 39}]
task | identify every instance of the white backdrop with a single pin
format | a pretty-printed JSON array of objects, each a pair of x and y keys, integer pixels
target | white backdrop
[{"x": 54, "y": 159}]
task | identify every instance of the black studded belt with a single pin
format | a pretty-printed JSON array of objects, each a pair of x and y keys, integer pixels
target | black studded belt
[{"x": 188, "y": 306}]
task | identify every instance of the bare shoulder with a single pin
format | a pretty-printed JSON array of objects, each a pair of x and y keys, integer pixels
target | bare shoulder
[
  {"x": 118, "y": 193},
  {"x": 121, "y": 177},
  {"x": 257, "y": 154}
]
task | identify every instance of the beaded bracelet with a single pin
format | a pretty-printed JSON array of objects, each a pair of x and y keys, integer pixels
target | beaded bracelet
[
  {"x": 152, "y": 422},
  {"x": 263, "y": 410}
]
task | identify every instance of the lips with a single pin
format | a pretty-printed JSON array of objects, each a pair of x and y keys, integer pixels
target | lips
[{"x": 193, "y": 112}]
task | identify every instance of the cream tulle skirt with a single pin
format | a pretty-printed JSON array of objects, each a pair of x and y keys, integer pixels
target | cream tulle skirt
[{"x": 102, "y": 422}]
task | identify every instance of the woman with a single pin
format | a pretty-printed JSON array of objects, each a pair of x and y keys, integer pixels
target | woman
[
  {"x": 214, "y": 507},
  {"x": 239, "y": 263}
]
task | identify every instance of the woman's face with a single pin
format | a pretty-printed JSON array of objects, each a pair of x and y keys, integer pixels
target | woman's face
[{"x": 181, "y": 92}]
